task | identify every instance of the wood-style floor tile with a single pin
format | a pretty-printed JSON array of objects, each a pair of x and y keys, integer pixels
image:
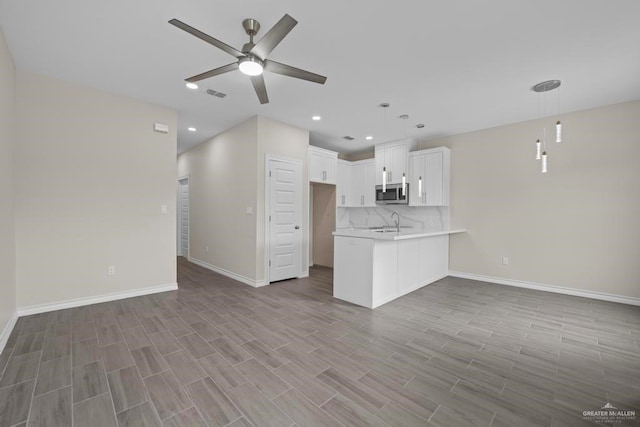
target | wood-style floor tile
[
  {"x": 95, "y": 412},
  {"x": 53, "y": 374},
  {"x": 88, "y": 381},
  {"x": 52, "y": 409},
  {"x": 212, "y": 403},
  {"x": 457, "y": 352},
  {"x": 257, "y": 408},
  {"x": 167, "y": 395},
  {"x": 15, "y": 401},
  {"x": 127, "y": 388},
  {"x": 190, "y": 418},
  {"x": 302, "y": 411},
  {"x": 139, "y": 416}
]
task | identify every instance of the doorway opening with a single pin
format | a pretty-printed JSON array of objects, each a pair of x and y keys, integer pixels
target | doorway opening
[
  {"x": 322, "y": 223},
  {"x": 183, "y": 217}
]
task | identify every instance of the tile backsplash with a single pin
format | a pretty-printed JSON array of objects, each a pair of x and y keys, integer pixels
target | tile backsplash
[{"x": 432, "y": 218}]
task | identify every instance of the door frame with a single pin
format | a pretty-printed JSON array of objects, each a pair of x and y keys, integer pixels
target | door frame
[
  {"x": 267, "y": 225},
  {"x": 179, "y": 217}
]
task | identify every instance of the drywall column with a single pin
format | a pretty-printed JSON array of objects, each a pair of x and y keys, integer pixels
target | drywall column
[{"x": 7, "y": 231}]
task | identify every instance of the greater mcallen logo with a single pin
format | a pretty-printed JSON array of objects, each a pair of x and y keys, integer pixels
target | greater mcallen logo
[{"x": 609, "y": 414}]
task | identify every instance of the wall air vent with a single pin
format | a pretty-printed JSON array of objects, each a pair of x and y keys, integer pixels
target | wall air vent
[
  {"x": 348, "y": 138},
  {"x": 215, "y": 93}
]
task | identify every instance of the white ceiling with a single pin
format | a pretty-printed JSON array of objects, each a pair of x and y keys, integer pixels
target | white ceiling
[{"x": 456, "y": 66}]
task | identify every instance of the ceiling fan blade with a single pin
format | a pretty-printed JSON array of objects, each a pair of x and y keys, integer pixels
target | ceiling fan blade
[
  {"x": 274, "y": 36},
  {"x": 216, "y": 71},
  {"x": 288, "y": 70},
  {"x": 202, "y": 36},
  {"x": 261, "y": 89}
]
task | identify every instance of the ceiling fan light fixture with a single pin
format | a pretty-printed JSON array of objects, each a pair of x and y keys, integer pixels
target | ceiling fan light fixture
[{"x": 251, "y": 66}]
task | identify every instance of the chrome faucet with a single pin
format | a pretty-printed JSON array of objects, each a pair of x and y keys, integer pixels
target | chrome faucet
[{"x": 397, "y": 221}]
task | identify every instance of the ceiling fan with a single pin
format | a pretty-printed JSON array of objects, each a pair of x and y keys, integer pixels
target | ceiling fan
[{"x": 252, "y": 59}]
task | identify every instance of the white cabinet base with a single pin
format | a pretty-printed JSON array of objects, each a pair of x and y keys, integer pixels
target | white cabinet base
[{"x": 370, "y": 272}]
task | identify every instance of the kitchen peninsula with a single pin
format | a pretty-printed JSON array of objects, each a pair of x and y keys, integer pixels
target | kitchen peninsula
[{"x": 373, "y": 267}]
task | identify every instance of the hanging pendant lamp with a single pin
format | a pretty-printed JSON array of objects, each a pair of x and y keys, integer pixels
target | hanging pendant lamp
[{"x": 541, "y": 147}]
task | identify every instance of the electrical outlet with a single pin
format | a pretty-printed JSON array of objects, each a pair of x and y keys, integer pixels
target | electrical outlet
[
  {"x": 206, "y": 248},
  {"x": 111, "y": 270},
  {"x": 505, "y": 261}
]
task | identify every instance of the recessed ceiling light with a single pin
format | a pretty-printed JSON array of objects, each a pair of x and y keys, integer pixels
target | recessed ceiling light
[
  {"x": 192, "y": 86},
  {"x": 316, "y": 118},
  {"x": 368, "y": 138},
  {"x": 192, "y": 129}
]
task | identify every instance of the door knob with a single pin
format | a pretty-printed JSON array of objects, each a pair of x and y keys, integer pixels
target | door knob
[{"x": 297, "y": 227}]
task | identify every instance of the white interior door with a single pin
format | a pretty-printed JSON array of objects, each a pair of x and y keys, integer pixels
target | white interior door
[
  {"x": 285, "y": 219},
  {"x": 183, "y": 217}
]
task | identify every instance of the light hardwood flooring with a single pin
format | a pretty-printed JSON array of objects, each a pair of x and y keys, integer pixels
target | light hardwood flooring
[{"x": 216, "y": 352}]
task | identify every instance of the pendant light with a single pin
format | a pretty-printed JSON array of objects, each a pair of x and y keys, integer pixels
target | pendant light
[
  {"x": 384, "y": 179},
  {"x": 404, "y": 118},
  {"x": 541, "y": 147},
  {"x": 384, "y": 107}
]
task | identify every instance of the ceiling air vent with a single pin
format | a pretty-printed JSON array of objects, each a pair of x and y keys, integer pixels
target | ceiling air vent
[
  {"x": 348, "y": 138},
  {"x": 215, "y": 93}
]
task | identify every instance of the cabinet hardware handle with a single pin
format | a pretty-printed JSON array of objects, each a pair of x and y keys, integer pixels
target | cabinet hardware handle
[{"x": 297, "y": 227}]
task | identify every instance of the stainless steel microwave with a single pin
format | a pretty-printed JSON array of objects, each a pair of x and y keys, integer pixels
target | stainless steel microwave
[{"x": 393, "y": 195}]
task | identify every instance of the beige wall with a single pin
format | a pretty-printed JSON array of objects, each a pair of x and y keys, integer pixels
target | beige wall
[
  {"x": 324, "y": 223},
  {"x": 577, "y": 226},
  {"x": 283, "y": 140},
  {"x": 90, "y": 178},
  {"x": 7, "y": 235},
  {"x": 226, "y": 176},
  {"x": 222, "y": 184}
]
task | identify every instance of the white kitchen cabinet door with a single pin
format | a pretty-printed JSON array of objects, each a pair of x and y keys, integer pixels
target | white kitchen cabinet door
[
  {"x": 363, "y": 187},
  {"x": 416, "y": 179},
  {"x": 369, "y": 184},
  {"x": 343, "y": 184},
  {"x": 391, "y": 156},
  {"x": 433, "y": 163},
  {"x": 398, "y": 162},
  {"x": 432, "y": 167},
  {"x": 322, "y": 165},
  {"x": 357, "y": 185},
  {"x": 422, "y": 261}
]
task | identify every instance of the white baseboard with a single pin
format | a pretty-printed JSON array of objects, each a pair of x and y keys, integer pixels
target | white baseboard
[
  {"x": 548, "y": 288},
  {"x": 230, "y": 274},
  {"x": 4, "y": 336},
  {"x": 78, "y": 302}
]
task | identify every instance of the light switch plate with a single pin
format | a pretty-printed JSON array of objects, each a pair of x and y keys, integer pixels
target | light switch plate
[{"x": 163, "y": 209}]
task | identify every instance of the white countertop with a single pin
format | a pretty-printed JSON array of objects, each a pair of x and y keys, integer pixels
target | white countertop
[{"x": 405, "y": 233}]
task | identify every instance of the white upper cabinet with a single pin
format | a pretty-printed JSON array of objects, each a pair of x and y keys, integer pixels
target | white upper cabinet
[
  {"x": 363, "y": 185},
  {"x": 322, "y": 165},
  {"x": 343, "y": 184},
  {"x": 429, "y": 177},
  {"x": 392, "y": 156}
]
